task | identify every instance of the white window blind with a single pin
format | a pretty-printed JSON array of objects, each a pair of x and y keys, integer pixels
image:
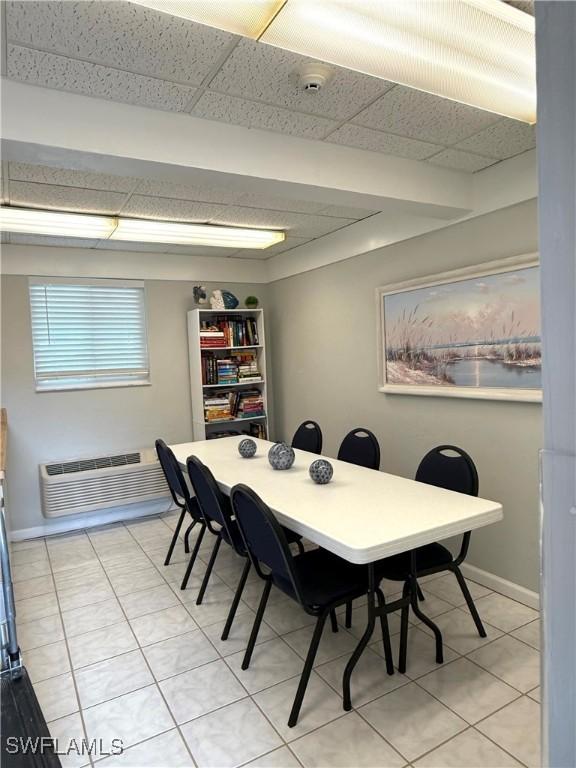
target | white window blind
[{"x": 88, "y": 335}]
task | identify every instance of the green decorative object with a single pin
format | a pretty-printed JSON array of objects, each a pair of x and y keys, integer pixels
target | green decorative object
[{"x": 251, "y": 302}]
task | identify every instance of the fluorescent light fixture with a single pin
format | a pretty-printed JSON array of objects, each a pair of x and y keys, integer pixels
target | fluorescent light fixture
[
  {"x": 477, "y": 52},
  {"x": 37, "y": 222},
  {"x": 248, "y": 18},
  {"x": 145, "y": 231},
  {"x": 57, "y": 224}
]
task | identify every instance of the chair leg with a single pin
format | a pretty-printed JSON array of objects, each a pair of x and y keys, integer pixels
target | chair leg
[
  {"x": 348, "y": 620},
  {"x": 187, "y": 536},
  {"x": 333, "y": 620},
  {"x": 305, "y": 676},
  {"x": 193, "y": 557},
  {"x": 404, "y": 632},
  {"x": 385, "y": 632},
  {"x": 420, "y": 593},
  {"x": 175, "y": 537},
  {"x": 209, "y": 570},
  {"x": 471, "y": 607},
  {"x": 429, "y": 623},
  {"x": 256, "y": 625},
  {"x": 237, "y": 596},
  {"x": 300, "y": 546}
]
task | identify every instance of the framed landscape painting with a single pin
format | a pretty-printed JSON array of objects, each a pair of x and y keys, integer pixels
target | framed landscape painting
[{"x": 469, "y": 333}]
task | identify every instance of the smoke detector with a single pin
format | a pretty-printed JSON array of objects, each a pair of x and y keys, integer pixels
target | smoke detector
[{"x": 314, "y": 76}]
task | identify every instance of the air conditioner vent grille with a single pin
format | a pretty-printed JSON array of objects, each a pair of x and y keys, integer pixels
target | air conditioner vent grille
[{"x": 102, "y": 462}]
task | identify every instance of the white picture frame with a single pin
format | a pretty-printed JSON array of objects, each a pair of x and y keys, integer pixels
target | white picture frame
[{"x": 489, "y": 269}]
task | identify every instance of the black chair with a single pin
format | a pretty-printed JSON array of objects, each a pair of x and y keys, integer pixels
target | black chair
[
  {"x": 308, "y": 437},
  {"x": 318, "y": 580},
  {"x": 183, "y": 500},
  {"x": 217, "y": 511},
  {"x": 218, "y": 517},
  {"x": 440, "y": 467},
  {"x": 360, "y": 446}
]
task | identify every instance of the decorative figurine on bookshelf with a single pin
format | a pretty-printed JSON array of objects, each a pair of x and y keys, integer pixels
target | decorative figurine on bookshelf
[
  {"x": 200, "y": 294},
  {"x": 251, "y": 302},
  {"x": 247, "y": 448},
  {"x": 223, "y": 300},
  {"x": 321, "y": 471},
  {"x": 281, "y": 456}
]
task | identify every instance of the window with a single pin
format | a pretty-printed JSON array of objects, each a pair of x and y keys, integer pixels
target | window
[{"x": 88, "y": 334}]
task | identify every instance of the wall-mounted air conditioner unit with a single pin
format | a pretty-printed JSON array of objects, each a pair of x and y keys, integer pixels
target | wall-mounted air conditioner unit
[{"x": 89, "y": 484}]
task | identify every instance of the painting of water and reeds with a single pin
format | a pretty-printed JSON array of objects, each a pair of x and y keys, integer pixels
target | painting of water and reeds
[{"x": 480, "y": 332}]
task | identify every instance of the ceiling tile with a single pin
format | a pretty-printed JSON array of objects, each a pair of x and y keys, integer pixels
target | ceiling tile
[
  {"x": 63, "y": 177},
  {"x": 505, "y": 139},
  {"x": 418, "y": 115},
  {"x": 258, "y": 71},
  {"x": 274, "y": 250},
  {"x": 200, "y": 192},
  {"x": 253, "y": 114},
  {"x": 262, "y": 200},
  {"x": 59, "y": 242},
  {"x": 346, "y": 212},
  {"x": 199, "y": 250},
  {"x": 172, "y": 210},
  {"x": 461, "y": 161},
  {"x": 119, "y": 34},
  {"x": 162, "y": 248},
  {"x": 377, "y": 141},
  {"x": 299, "y": 224},
  {"x": 51, "y": 71},
  {"x": 65, "y": 198}
]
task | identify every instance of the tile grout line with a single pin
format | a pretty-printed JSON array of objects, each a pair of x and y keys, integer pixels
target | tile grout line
[{"x": 148, "y": 666}]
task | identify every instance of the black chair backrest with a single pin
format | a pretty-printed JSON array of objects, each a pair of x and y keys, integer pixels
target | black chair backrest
[
  {"x": 308, "y": 437},
  {"x": 212, "y": 502},
  {"x": 453, "y": 472},
  {"x": 174, "y": 476},
  {"x": 361, "y": 447},
  {"x": 264, "y": 539}
]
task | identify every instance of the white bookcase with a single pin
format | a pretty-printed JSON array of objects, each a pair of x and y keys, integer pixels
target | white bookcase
[{"x": 201, "y": 429}]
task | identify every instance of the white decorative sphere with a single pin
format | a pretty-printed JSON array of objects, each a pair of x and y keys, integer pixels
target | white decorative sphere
[
  {"x": 247, "y": 448},
  {"x": 281, "y": 456},
  {"x": 321, "y": 471}
]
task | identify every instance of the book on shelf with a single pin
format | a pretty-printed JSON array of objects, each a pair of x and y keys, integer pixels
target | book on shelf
[
  {"x": 237, "y": 331},
  {"x": 237, "y": 368},
  {"x": 236, "y": 404}
]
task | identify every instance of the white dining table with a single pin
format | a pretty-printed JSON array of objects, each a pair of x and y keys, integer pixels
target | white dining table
[{"x": 362, "y": 515}]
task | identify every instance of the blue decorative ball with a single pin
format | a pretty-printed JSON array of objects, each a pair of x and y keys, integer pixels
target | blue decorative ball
[
  {"x": 247, "y": 448},
  {"x": 321, "y": 471},
  {"x": 281, "y": 456}
]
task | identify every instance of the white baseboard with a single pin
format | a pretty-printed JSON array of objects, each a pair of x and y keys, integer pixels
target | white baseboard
[
  {"x": 502, "y": 586},
  {"x": 92, "y": 519}
]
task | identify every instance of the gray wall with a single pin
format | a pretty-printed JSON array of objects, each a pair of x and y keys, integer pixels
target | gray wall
[
  {"x": 52, "y": 425},
  {"x": 323, "y": 326}
]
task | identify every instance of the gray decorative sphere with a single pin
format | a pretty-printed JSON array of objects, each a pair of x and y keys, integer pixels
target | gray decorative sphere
[
  {"x": 321, "y": 471},
  {"x": 281, "y": 456},
  {"x": 247, "y": 448}
]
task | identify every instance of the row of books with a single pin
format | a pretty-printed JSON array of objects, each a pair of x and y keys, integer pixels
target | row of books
[
  {"x": 257, "y": 429},
  {"x": 227, "y": 332},
  {"x": 238, "y": 368},
  {"x": 237, "y": 404}
]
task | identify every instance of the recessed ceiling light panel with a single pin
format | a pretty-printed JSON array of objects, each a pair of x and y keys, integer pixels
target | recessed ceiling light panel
[{"x": 59, "y": 224}]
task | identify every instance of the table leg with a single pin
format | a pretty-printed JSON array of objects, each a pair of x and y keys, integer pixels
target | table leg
[
  {"x": 363, "y": 641},
  {"x": 422, "y": 616}
]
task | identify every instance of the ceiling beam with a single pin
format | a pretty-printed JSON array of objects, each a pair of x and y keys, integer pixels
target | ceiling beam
[{"x": 46, "y": 126}]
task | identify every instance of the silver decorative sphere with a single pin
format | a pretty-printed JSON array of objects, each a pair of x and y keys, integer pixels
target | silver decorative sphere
[
  {"x": 247, "y": 448},
  {"x": 321, "y": 471},
  {"x": 281, "y": 456}
]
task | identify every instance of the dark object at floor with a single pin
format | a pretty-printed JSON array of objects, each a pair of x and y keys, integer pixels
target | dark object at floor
[{"x": 23, "y": 724}]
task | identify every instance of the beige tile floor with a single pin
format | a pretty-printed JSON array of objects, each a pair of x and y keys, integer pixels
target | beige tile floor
[{"x": 116, "y": 650}]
